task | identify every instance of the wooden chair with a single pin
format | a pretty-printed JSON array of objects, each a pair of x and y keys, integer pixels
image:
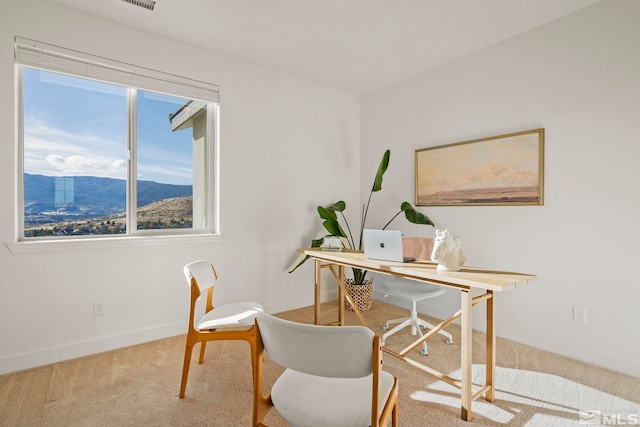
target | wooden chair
[
  {"x": 226, "y": 322},
  {"x": 334, "y": 375}
]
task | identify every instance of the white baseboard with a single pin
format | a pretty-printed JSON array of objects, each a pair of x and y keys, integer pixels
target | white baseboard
[{"x": 55, "y": 354}]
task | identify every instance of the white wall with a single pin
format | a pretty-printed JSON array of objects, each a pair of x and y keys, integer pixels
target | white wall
[
  {"x": 277, "y": 133},
  {"x": 579, "y": 78}
]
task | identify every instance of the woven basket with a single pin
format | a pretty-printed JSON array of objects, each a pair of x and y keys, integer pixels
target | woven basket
[{"x": 360, "y": 295}]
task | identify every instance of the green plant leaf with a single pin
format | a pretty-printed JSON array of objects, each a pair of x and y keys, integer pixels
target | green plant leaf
[
  {"x": 302, "y": 258},
  {"x": 298, "y": 262},
  {"x": 333, "y": 227},
  {"x": 414, "y": 216},
  {"x": 331, "y": 223},
  {"x": 358, "y": 276},
  {"x": 382, "y": 168},
  {"x": 338, "y": 206},
  {"x": 327, "y": 213}
]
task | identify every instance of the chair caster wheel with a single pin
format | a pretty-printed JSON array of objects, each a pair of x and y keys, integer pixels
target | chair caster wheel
[
  {"x": 424, "y": 353},
  {"x": 448, "y": 341},
  {"x": 422, "y": 327},
  {"x": 385, "y": 328}
]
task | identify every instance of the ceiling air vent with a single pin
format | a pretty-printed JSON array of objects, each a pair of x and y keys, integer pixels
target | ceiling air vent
[{"x": 147, "y": 4}]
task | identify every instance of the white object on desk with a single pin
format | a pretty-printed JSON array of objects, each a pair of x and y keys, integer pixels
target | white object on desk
[
  {"x": 331, "y": 243},
  {"x": 447, "y": 251}
]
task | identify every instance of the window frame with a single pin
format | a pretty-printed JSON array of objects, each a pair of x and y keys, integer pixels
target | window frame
[{"x": 132, "y": 236}]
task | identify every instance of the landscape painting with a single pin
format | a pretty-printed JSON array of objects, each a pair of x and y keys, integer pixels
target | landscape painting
[{"x": 500, "y": 170}]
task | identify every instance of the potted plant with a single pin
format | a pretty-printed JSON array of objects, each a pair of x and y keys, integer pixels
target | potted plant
[{"x": 329, "y": 215}]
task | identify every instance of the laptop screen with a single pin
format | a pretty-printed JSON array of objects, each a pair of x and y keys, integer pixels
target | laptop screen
[{"x": 385, "y": 245}]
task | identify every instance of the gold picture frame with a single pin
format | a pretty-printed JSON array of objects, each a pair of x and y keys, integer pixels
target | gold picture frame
[{"x": 496, "y": 171}]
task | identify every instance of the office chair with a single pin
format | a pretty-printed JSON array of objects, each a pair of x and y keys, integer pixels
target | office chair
[
  {"x": 333, "y": 375},
  {"x": 419, "y": 248},
  {"x": 226, "y": 322}
]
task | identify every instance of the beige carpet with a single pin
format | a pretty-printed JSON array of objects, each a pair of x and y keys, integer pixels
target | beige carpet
[{"x": 138, "y": 386}]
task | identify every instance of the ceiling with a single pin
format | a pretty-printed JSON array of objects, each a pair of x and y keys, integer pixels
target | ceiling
[{"x": 359, "y": 46}]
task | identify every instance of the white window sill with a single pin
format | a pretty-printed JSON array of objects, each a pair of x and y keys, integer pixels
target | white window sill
[{"x": 33, "y": 246}]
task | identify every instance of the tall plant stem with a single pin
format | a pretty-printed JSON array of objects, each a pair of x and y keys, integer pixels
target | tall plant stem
[
  {"x": 348, "y": 229},
  {"x": 391, "y": 220},
  {"x": 364, "y": 217}
]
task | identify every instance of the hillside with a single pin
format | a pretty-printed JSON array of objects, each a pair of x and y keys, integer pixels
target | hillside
[
  {"x": 87, "y": 197},
  {"x": 96, "y": 191},
  {"x": 176, "y": 212}
]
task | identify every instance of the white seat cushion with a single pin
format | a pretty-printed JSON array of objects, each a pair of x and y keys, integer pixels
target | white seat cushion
[
  {"x": 412, "y": 289},
  {"x": 230, "y": 315},
  {"x": 310, "y": 401}
]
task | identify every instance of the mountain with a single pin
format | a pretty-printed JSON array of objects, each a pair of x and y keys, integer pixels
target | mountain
[
  {"x": 87, "y": 197},
  {"x": 174, "y": 212}
]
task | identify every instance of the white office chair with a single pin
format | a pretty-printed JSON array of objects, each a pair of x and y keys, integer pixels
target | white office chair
[
  {"x": 333, "y": 375},
  {"x": 419, "y": 248}
]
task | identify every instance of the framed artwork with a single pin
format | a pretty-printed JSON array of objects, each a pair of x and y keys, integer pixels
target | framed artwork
[{"x": 500, "y": 170}]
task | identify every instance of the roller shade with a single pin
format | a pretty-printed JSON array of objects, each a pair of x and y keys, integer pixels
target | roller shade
[{"x": 44, "y": 56}]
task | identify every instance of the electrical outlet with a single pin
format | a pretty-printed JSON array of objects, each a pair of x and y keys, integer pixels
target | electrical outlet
[
  {"x": 580, "y": 315},
  {"x": 98, "y": 308}
]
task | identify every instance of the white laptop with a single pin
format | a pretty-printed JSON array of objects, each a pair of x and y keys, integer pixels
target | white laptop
[{"x": 385, "y": 245}]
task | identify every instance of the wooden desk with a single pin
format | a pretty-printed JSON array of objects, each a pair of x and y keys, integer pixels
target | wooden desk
[{"x": 466, "y": 280}]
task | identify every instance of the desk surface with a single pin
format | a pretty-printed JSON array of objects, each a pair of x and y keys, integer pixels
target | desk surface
[{"x": 466, "y": 278}]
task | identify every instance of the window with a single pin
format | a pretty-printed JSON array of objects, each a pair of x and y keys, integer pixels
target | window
[{"x": 108, "y": 148}]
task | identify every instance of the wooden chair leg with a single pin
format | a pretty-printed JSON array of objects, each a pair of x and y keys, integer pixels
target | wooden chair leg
[
  {"x": 394, "y": 416},
  {"x": 253, "y": 345},
  {"x": 203, "y": 346},
  {"x": 261, "y": 404},
  {"x": 185, "y": 368}
]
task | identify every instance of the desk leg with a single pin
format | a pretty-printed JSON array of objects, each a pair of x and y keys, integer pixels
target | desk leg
[
  {"x": 491, "y": 347},
  {"x": 316, "y": 296},
  {"x": 466, "y": 354},
  {"x": 346, "y": 295},
  {"x": 341, "y": 295}
]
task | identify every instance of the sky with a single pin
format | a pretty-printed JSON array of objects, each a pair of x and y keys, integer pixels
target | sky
[{"x": 77, "y": 127}]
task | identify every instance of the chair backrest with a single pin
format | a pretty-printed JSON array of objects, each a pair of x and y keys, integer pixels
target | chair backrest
[
  {"x": 417, "y": 247},
  {"x": 327, "y": 351},
  {"x": 203, "y": 272}
]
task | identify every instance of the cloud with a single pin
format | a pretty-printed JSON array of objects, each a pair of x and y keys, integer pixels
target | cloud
[
  {"x": 55, "y": 152},
  {"x": 72, "y": 164},
  {"x": 119, "y": 165},
  {"x": 489, "y": 175}
]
